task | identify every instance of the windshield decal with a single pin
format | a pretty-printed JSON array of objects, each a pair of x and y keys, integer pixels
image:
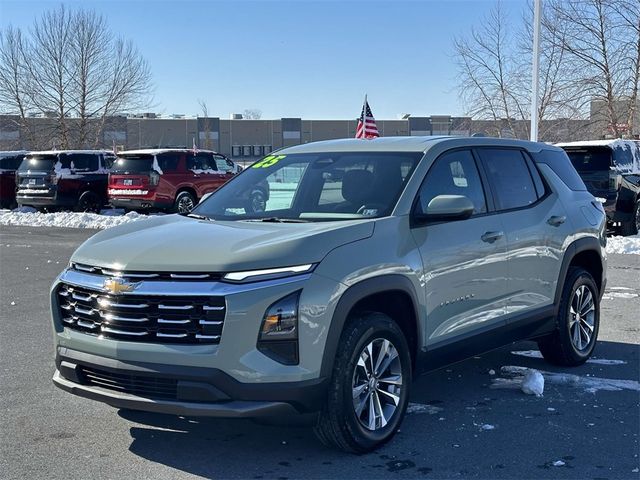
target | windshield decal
[{"x": 268, "y": 161}]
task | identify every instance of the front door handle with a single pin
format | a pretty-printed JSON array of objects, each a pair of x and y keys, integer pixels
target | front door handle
[
  {"x": 557, "y": 220},
  {"x": 491, "y": 237}
]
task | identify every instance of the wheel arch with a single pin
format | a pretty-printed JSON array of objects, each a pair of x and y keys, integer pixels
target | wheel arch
[
  {"x": 585, "y": 253},
  {"x": 393, "y": 295},
  {"x": 188, "y": 189}
]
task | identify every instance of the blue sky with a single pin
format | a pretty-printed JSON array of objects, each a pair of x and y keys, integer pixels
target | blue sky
[{"x": 314, "y": 59}]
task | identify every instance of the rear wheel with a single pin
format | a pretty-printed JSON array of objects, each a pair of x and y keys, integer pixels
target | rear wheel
[
  {"x": 578, "y": 322},
  {"x": 632, "y": 227},
  {"x": 184, "y": 203},
  {"x": 89, "y": 202},
  {"x": 369, "y": 389}
]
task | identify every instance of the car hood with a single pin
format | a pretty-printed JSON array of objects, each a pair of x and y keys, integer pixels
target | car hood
[{"x": 174, "y": 243}]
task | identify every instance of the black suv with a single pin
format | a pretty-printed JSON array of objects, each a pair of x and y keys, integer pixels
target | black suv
[
  {"x": 611, "y": 171},
  {"x": 69, "y": 178}
]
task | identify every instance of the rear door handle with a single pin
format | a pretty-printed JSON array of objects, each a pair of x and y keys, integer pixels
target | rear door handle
[
  {"x": 491, "y": 237},
  {"x": 557, "y": 220}
]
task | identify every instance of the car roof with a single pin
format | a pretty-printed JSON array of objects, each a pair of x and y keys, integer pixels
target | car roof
[
  {"x": 157, "y": 151},
  {"x": 406, "y": 144},
  {"x": 13, "y": 153},
  {"x": 56, "y": 152},
  {"x": 596, "y": 143}
]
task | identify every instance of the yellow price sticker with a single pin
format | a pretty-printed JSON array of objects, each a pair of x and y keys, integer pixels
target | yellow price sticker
[{"x": 268, "y": 161}]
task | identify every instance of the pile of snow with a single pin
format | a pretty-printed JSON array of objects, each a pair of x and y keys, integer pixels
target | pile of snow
[
  {"x": 533, "y": 383},
  {"x": 619, "y": 244},
  {"x": 27, "y": 216}
]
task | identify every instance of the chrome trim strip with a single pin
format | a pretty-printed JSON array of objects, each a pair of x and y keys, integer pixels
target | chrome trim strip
[
  {"x": 82, "y": 298},
  {"x": 82, "y": 323},
  {"x": 207, "y": 337},
  {"x": 121, "y": 332},
  {"x": 190, "y": 275},
  {"x": 171, "y": 335},
  {"x": 84, "y": 268},
  {"x": 68, "y": 320},
  {"x": 207, "y": 308},
  {"x": 174, "y": 307},
  {"x": 174, "y": 322},
  {"x": 182, "y": 288},
  {"x": 117, "y": 318},
  {"x": 210, "y": 322},
  {"x": 105, "y": 302},
  {"x": 83, "y": 310}
]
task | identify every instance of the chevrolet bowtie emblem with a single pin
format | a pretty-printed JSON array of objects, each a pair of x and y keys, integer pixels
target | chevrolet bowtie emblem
[{"x": 116, "y": 286}]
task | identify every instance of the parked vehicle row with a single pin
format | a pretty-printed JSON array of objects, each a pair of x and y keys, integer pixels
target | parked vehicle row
[{"x": 88, "y": 180}]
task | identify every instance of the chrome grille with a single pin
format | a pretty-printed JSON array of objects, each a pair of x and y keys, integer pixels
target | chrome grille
[{"x": 136, "y": 318}]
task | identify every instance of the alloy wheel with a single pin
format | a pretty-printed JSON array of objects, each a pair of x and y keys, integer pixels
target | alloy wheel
[
  {"x": 185, "y": 204},
  {"x": 582, "y": 317},
  {"x": 377, "y": 384}
]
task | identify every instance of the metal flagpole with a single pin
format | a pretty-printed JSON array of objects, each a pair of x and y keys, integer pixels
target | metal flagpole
[{"x": 535, "y": 73}]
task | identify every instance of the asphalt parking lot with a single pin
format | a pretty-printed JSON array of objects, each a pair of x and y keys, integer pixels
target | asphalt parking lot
[{"x": 585, "y": 426}]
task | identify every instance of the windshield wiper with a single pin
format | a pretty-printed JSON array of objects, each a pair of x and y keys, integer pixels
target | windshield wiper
[
  {"x": 195, "y": 215},
  {"x": 277, "y": 220}
]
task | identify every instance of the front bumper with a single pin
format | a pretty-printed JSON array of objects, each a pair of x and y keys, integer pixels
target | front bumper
[{"x": 194, "y": 391}]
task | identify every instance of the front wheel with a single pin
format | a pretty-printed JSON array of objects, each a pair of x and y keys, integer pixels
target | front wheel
[
  {"x": 369, "y": 389},
  {"x": 578, "y": 322}
]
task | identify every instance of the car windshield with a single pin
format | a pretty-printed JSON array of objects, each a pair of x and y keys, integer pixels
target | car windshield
[
  {"x": 313, "y": 187},
  {"x": 590, "y": 159},
  {"x": 40, "y": 163}
]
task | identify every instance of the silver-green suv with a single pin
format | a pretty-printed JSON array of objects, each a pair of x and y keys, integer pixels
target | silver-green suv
[{"x": 371, "y": 261}]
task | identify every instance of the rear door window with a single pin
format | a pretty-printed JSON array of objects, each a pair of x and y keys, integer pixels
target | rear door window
[
  {"x": 510, "y": 177},
  {"x": 559, "y": 162},
  {"x": 168, "y": 162}
]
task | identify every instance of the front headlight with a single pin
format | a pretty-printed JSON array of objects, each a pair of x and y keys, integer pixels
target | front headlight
[
  {"x": 267, "y": 274},
  {"x": 278, "y": 338}
]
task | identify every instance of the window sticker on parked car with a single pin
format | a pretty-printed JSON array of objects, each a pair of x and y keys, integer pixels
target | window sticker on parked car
[{"x": 268, "y": 161}]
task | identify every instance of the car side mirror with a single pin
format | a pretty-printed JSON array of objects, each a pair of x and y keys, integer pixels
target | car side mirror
[{"x": 446, "y": 207}]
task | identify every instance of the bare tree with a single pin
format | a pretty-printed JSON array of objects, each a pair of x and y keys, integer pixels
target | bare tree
[
  {"x": 490, "y": 80},
  {"x": 252, "y": 114},
  {"x": 603, "y": 36},
  {"x": 72, "y": 70},
  {"x": 13, "y": 85},
  {"x": 206, "y": 125}
]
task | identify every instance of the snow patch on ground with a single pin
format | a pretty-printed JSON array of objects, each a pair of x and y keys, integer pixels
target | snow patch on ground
[
  {"x": 629, "y": 245},
  {"x": 30, "y": 217},
  {"x": 597, "y": 361},
  {"x": 514, "y": 377},
  {"x": 422, "y": 408}
]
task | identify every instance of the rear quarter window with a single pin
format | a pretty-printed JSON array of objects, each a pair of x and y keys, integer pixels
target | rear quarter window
[{"x": 559, "y": 162}]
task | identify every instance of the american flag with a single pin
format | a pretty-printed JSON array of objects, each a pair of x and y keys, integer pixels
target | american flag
[{"x": 366, "y": 123}]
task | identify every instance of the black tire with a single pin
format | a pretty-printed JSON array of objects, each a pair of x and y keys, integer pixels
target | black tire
[
  {"x": 185, "y": 201},
  {"x": 338, "y": 424},
  {"x": 633, "y": 225},
  {"x": 89, "y": 202},
  {"x": 559, "y": 348},
  {"x": 257, "y": 202}
]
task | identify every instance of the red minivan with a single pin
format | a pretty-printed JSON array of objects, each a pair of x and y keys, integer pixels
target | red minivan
[{"x": 166, "y": 179}]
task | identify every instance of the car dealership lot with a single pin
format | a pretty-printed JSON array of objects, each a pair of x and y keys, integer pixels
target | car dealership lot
[{"x": 460, "y": 425}]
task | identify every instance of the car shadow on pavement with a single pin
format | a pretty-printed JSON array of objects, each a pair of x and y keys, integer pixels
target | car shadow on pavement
[{"x": 461, "y": 423}]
